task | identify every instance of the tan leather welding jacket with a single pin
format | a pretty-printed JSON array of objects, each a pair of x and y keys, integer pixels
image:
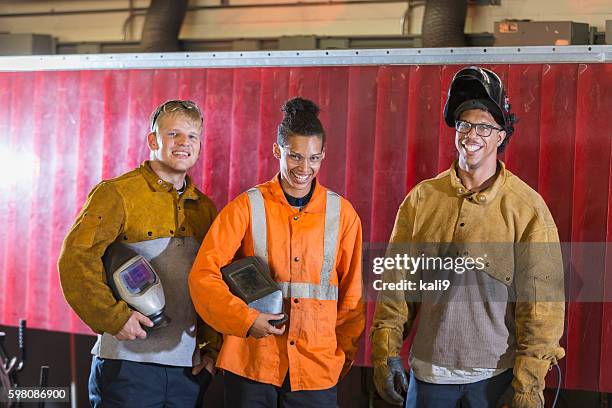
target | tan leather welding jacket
[{"x": 511, "y": 222}]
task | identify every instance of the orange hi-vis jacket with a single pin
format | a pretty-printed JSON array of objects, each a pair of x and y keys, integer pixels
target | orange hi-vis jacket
[{"x": 322, "y": 298}]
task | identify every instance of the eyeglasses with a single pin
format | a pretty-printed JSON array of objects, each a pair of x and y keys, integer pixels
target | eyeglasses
[
  {"x": 174, "y": 106},
  {"x": 297, "y": 158},
  {"x": 482, "y": 129}
]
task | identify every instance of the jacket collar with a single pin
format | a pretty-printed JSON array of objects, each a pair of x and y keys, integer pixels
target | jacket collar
[
  {"x": 157, "y": 184},
  {"x": 316, "y": 203},
  {"x": 487, "y": 194}
]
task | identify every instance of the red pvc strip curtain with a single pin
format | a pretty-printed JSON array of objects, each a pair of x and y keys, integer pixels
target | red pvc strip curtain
[{"x": 62, "y": 132}]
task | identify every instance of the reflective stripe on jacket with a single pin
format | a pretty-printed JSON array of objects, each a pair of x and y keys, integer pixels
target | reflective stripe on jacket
[
  {"x": 323, "y": 290},
  {"x": 323, "y": 299}
]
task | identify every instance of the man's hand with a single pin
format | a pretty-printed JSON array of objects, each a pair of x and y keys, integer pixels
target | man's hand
[
  {"x": 132, "y": 330},
  {"x": 206, "y": 363},
  {"x": 261, "y": 327}
]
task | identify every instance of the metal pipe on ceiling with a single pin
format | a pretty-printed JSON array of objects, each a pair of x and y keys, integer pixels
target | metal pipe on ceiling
[{"x": 143, "y": 10}]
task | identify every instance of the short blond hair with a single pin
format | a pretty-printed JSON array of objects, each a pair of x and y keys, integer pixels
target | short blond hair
[
  {"x": 185, "y": 107},
  {"x": 175, "y": 107}
]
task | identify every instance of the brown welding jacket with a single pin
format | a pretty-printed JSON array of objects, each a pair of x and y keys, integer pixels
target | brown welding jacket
[
  {"x": 442, "y": 210},
  {"x": 135, "y": 207}
]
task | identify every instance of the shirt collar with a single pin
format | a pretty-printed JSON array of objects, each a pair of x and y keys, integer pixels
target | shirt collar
[
  {"x": 157, "y": 184},
  {"x": 484, "y": 195},
  {"x": 316, "y": 203}
]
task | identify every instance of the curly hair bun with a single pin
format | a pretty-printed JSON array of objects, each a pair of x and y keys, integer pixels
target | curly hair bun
[{"x": 299, "y": 105}]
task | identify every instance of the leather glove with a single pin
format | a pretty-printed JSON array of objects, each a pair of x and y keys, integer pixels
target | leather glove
[
  {"x": 528, "y": 382},
  {"x": 528, "y": 400},
  {"x": 391, "y": 381}
]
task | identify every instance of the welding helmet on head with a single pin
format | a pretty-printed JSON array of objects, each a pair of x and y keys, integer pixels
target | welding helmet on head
[{"x": 477, "y": 88}]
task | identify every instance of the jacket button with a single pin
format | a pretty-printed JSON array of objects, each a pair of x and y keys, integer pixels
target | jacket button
[
  {"x": 160, "y": 181},
  {"x": 482, "y": 198},
  {"x": 507, "y": 279},
  {"x": 125, "y": 237},
  {"x": 295, "y": 218},
  {"x": 171, "y": 232},
  {"x": 182, "y": 228},
  {"x": 462, "y": 224},
  {"x": 292, "y": 342},
  {"x": 296, "y": 301},
  {"x": 296, "y": 259},
  {"x": 460, "y": 190},
  {"x": 149, "y": 233}
]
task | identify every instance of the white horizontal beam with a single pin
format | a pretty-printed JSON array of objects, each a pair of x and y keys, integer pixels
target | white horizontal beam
[{"x": 404, "y": 56}]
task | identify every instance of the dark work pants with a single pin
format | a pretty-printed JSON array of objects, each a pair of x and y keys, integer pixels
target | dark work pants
[
  {"x": 242, "y": 392},
  {"x": 481, "y": 394},
  {"x": 121, "y": 383}
]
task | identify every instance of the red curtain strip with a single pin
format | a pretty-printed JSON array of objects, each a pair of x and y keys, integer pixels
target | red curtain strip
[{"x": 62, "y": 132}]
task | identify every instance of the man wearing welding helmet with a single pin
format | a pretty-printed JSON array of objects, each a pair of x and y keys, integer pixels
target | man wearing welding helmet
[
  {"x": 498, "y": 323},
  {"x": 154, "y": 211}
]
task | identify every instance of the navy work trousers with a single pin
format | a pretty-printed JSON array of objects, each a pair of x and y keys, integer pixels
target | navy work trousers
[
  {"x": 481, "y": 394},
  {"x": 121, "y": 383},
  {"x": 242, "y": 392}
]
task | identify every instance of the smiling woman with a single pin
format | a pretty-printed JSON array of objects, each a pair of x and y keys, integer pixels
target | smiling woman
[
  {"x": 299, "y": 147},
  {"x": 311, "y": 239}
]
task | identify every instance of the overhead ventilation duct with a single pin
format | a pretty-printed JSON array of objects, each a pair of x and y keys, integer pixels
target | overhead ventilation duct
[
  {"x": 162, "y": 25},
  {"x": 444, "y": 23}
]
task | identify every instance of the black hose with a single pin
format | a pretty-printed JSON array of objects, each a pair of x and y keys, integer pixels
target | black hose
[
  {"x": 162, "y": 25},
  {"x": 444, "y": 23}
]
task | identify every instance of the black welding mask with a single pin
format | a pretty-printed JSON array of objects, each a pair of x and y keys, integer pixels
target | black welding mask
[
  {"x": 478, "y": 88},
  {"x": 249, "y": 278}
]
